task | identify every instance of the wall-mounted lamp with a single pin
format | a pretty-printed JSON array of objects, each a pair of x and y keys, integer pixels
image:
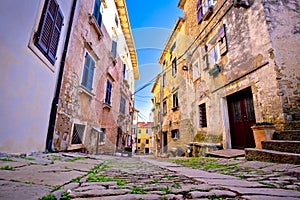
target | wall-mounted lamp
[{"x": 185, "y": 68}]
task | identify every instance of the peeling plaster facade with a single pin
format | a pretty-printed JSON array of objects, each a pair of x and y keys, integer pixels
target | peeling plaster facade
[
  {"x": 85, "y": 113},
  {"x": 256, "y": 72},
  {"x": 28, "y": 79}
]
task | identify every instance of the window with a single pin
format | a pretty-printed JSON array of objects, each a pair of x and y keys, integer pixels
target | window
[
  {"x": 165, "y": 107},
  {"x": 204, "y": 9},
  {"x": 164, "y": 80},
  {"x": 114, "y": 49},
  {"x": 49, "y": 30},
  {"x": 122, "y": 105},
  {"x": 174, "y": 67},
  {"x": 173, "y": 47},
  {"x": 124, "y": 71},
  {"x": 97, "y": 14},
  {"x": 78, "y": 131},
  {"x": 214, "y": 49},
  {"x": 108, "y": 92},
  {"x": 146, "y": 130},
  {"x": 139, "y": 140},
  {"x": 202, "y": 116},
  {"x": 175, "y": 100},
  {"x": 88, "y": 72},
  {"x": 116, "y": 20},
  {"x": 140, "y": 131},
  {"x": 147, "y": 141},
  {"x": 102, "y": 136},
  {"x": 175, "y": 134},
  {"x": 196, "y": 70}
]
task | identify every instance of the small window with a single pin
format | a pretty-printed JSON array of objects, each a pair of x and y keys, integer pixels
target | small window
[
  {"x": 147, "y": 141},
  {"x": 175, "y": 100},
  {"x": 202, "y": 116},
  {"x": 146, "y": 130},
  {"x": 173, "y": 47},
  {"x": 88, "y": 72},
  {"x": 139, "y": 140},
  {"x": 114, "y": 49},
  {"x": 164, "y": 80},
  {"x": 102, "y": 136},
  {"x": 140, "y": 131},
  {"x": 97, "y": 13},
  {"x": 49, "y": 30},
  {"x": 165, "y": 107},
  {"x": 78, "y": 131},
  {"x": 175, "y": 134},
  {"x": 124, "y": 71},
  {"x": 108, "y": 92},
  {"x": 116, "y": 20},
  {"x": 204, "y": 9},
  {"x": 174, "y": 67},
  {"x": 122, "y": 105}
]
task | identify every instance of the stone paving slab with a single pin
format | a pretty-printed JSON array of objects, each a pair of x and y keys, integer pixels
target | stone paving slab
[
  {"x": 214, "y": 193},
  {"x": 279, "y": 167},
  {"x": 266, "y": 191},
  {"x": 16, "y": 191},
  {"x": 265, "y": 197},
  {"x": 256, "y": 164},
  {"x": 230, "y": 182}
]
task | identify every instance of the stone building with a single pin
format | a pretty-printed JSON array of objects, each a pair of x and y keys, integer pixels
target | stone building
[
  {"x": 145, "y": 138},
  {"x": 31, "y": 59},
  {"x": 94, "y": 112},
  {"x": 172, "y": 94},
  {"x": 242, "y": 66}
]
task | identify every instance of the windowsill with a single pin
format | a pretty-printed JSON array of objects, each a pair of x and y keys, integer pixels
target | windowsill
[
  {"x": 106, "y": 106},
  {"x": 96, "y": 26},
  {"x": 85, "y": 91},
  {"x": 175, "y": 108},
  {"x": 113, "y": 59},
  {"x": 75, "y": 146}
]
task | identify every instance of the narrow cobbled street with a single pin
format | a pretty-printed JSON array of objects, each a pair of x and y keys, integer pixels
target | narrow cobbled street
[{"x": 80, "y": 176}]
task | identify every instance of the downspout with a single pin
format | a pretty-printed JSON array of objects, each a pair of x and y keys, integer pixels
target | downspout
[{"x": 53, "y": 111}]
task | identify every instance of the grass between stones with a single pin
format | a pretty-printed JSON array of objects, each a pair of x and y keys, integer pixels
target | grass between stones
[
  {"x": 137, "y": 190},
  {"x": 7, "y": 167},
  {"x": 7, "y": 160}
]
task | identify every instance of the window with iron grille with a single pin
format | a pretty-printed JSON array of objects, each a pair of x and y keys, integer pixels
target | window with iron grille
[
  {"x": 108, "y": 92},
  {"x": 97, "y": 13},
  {"x": 174, "y": 67},
  {"x": 122, "y": 105},
  {"x": 88, "y": 72},
  {"x": 78, "y": 131},
  {"x": 202, "y": 116},
  {"x": 49, "y": 31}
]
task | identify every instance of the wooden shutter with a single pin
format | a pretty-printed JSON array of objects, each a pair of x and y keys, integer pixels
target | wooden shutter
[
  {"x": 88, "y": 72},
  {"x": 50, "y": 30},
  {"x": 199, "y": 11},
  {"x": 222, "y": 40},
  {"x": 97, "y": 13}
]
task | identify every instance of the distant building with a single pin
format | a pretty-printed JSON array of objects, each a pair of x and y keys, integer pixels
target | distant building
[
  {"x": 33, "y": 38},
  {"x": 145, "y": 138}
]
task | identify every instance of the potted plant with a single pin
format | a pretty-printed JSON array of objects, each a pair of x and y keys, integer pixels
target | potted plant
[{"x": 262, "y": 131}]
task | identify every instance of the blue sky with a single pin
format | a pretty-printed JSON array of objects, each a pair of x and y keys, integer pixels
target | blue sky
[{"x": 151, "y": 23}]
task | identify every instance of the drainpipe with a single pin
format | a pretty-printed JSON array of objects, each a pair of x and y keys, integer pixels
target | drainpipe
[{"x": 53, "y": 111}]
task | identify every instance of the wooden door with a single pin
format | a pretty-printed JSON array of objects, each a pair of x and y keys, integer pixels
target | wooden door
[{"x": 241, "y": 118}]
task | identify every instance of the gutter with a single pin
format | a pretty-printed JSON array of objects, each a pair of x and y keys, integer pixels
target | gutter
[{"x": 55, "y": 100}]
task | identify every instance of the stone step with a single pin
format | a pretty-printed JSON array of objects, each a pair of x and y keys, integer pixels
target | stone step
[
  {"x": 271, "y": 156},
  {"x": 287, "y": 135},
  {"x": 282, "y": 145}
]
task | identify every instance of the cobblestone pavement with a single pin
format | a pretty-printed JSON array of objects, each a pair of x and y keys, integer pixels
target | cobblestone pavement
[{"x": 79, "y": 176}]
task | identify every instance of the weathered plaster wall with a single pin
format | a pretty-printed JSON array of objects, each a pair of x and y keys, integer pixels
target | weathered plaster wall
[
  {"x": 283, "y": 20},
  {"x": 27, "y": 83}
]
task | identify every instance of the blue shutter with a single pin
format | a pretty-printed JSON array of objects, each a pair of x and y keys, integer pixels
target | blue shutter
[
  {"x": 108, "y": 92},
  {"x": 199, "y": 11},
  {"x": 97, "y": 13},
  {"x": 91, "y": 74},
  {"x": 114, "y": 48}
]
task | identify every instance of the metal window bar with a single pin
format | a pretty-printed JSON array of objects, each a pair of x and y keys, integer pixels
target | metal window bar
[{"x": 78, "y": 131}]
